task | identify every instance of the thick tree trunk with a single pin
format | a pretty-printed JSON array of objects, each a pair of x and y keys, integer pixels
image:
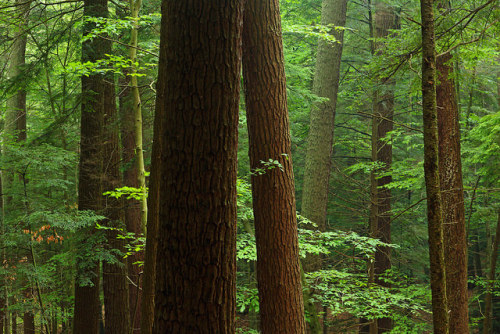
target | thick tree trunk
[
  {"x": 383, "y": 110},
  {"x": 115, "y": 284},
  {"x": 278, "y": 268},
  {"x": 488, "y": 300},
  {"x": 452, "y": 190},
  {"x": 431, "y": 169},
  {"x": 87, "y": 304},
  {"x": 199, "y": 97}
]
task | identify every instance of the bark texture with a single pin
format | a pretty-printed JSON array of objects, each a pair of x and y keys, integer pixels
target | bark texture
[
  {"x": 384, "y": 21},
  {"x": 87, "y": 304},
  {"x": 196, "y": 262},
  {"x": 431, "y": 169},
  {"x": 115, "y": 284},
  {"x": 452, "y": 193},
  {"x": 278, "y": 268}
]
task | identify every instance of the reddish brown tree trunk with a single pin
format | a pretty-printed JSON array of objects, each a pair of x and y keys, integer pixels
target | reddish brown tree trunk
[
  {"x": 198, "y": 98},
  {"x": 278, "y": 268},
  {"x": 450, "y": 173},
  {"x": 431, "y": 169}
]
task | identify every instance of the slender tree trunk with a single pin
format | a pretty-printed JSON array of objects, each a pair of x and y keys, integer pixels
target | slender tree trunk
[
  {"x": 278, "y": 267},
  {"x": 322, "y": 119},
  {"x": 149, "y": 280},
  {"x": 87, "y": 304},
  {"x": 450, "y": 173},
  {"x": 199, "y": 97},
  {"x": 431, "y": 169},
  {"x": 488, "y": 299},
  {"x": 321, "y": 136}
]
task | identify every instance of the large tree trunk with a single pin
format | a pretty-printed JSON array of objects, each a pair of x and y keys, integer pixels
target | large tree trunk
[
  {"x": 452, "y": 192},
  {"x": 199, "y": 97},
  {"x": 278, "y": 268},
  {"x": 431, "y": 169},
  {"x": 87, "y": 304},
  {"x": 115, "y": 284},
  {"x": 383, "y": 110}
]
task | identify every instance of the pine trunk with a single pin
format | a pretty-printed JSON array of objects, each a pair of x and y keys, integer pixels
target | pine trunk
[
  {"x": 452, "y": 192},
  {"x": 115, "y": 283},
  {"x": 384, "y": 21},
  {"x": 278, "y": 268},
  {"x": 87, "y": 304},
  {"x": 431, "y": 169},
  {"x": 198, "y": 96}
]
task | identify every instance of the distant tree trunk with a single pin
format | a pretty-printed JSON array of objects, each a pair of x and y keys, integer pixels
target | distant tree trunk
[
  {"x": 321, "y": 135},
  {"x": 115, "y": 284},
  {"x": 383, "y": 110},
  {"x": 28, "y": 323},
  {"x": 431, "y": 169},
  {"x": 198, "y": 96},
  {"x": 322, "y": 120},
  {"x": 15, "y": 115},
  {"x": 87, "y": 304},
  {"x": 452, "y": 190},
  {"x": 278, "y": 267},
  {"x": 488, "y": 299}
]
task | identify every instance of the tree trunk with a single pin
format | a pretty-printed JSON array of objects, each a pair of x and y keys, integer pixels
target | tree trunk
[
  {"x": 87, "y": 304},
  {"x": 29, "y": 323},
  {"x": 115, "y": 284},
  {"x": 321, "y": 137},
  {"x": 278, "y": 268},
  {"x": 198, "y": 96},
  {"x": 383, "y": 111},
  {"x": 431, "y": 169},
  {"x": 452, "y": 190},
  {"x": 488, "y": 299},
  {"x": 149, "y": 275},
  {"x": 322, "y": 119}
]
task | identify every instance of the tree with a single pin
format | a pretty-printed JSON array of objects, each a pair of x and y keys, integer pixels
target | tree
[
  {"x": 382, "y": 124},
  {"x": 115, "y": 284},
  {"x": 199, "y": 82},
  {"x": 322, "y": 120},
  {"x": 87, "y": 304},
  {"x": 278, "y": 267},
  {"x": 431, "y": 169},
  {"x": 452, "y": 192}
]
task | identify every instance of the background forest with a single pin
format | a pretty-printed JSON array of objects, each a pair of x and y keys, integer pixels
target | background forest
[{"x": 353, "y": 87}]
